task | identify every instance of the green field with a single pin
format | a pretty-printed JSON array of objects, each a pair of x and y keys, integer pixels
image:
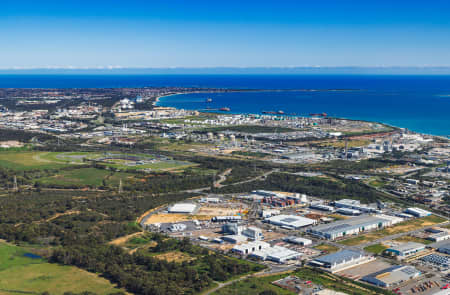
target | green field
[
  {"x": 20, "y": 274},
  {"x": 86, "y": 176},
  {"x": 28, "y": 160},
  {"x": 255, "y": 285},
  {"x": 376, "y": 249}
]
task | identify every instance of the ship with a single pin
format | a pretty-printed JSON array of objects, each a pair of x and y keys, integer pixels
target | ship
[
  {"x": 209, "y": 100},
  {"x": 318, "y": 115},
  {"x": 225, "y": 109},
  {"x": 273, "y": 112}
]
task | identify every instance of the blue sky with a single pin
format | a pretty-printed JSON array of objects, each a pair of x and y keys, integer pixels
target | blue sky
[{"x": 191, "y": 33}]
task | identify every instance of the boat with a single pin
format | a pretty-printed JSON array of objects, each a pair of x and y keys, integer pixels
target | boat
[
  {"x": 273, "y": 112},
  {"x": 209, "y": 100},
  {"x": 225, "y": 109},
  {"x": 318, "y": 115}
]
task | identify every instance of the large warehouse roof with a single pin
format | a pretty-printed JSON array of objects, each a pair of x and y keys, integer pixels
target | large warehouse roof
[
  {"x": 290, "y": 220},
  {"x": 349, "y": 224},
  {"x": 340, "y": 257},
  {"x": 182, "y": 208}
]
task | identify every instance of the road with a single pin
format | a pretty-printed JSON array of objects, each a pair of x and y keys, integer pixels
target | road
[{"x": 272, "y": 270}]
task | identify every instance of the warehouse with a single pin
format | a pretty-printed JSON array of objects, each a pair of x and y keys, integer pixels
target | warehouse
[
  {"x": 277, "y": 254},
  {"x": 392, "y": 276},
  {"x": 186, "y": 208},
  {"x": 290, "y": 221},
  {"x": 406, "y": 249},
  {"x": 341, "y": 260},
  {"x": 354, "y": 204},
  {"x": 298, "y": 240},
  {"x": 234, "y": 239},
  {"x": 251, "y": 247},
  {"x": 444, "y": 248},
  {"x": 353, "y": 226},
  {"x": 417, "y": 212}
]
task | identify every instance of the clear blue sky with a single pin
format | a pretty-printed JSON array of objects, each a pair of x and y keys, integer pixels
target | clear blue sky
[{"x": 242, "y": 33}]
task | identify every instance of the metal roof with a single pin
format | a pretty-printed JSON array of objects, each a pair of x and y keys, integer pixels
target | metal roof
[{"x": 340, "y": 257}]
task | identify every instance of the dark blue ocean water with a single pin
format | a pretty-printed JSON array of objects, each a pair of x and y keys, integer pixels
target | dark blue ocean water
[{"x": 420, "y": 103}]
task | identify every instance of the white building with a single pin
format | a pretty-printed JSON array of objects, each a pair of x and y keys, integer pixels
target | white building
[
  {"x": 298, "y": 240},
  {"x": 417, "y": 212},
  {"x": 290, "y": 221},
  {"x": 251, "y": 247},
  {"x": 253, "y": 233},
  {"x": 406, "y": 249},
  {"x": 277, "y": 254},
  {"x": 186, "y": 208}
]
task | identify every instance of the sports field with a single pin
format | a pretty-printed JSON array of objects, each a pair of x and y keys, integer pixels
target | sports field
[{"x": 21, "y": 274}]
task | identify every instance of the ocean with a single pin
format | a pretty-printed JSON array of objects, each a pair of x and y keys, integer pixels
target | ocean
[{"x": 419, "y": 103}]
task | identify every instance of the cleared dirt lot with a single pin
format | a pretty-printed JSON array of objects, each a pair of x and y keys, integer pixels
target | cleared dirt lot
[{"x": 364, "y": 269}]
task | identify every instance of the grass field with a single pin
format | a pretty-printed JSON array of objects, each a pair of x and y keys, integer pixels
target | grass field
[
  {"x": 413, "y": 239},
  {"x": 326, "y": 247},
  {"x": 27, "y": 160},
  {"x": 376, "y": 249},
  {"x": 401, "y": 227},
  {"x": 255, "y": 285},
  {"x": 20, "y": 274},
  {"x": 86, "y": 176}
]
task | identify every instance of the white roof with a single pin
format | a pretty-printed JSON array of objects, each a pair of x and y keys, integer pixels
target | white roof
[
  {"x": 290, "y": 220},
  {"x": 183, "y": 208}
]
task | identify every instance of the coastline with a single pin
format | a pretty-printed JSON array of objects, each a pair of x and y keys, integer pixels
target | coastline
[{"x": 393, "y": 126}]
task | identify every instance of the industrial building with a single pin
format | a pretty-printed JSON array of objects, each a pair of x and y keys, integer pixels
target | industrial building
[
  {"x": 321, "y": 207},
  {"x": 253, "y": 233},
  {"x": 249, "y": 248},
  {"x": 353, "y": 226},
  {"x": 185, "y": 208},
  {"x": 234, "y": 239},
  {"x": 417, "y": 212},
  {"x": 392, "y": 276},
  {"x": 277, "y": 254},
  {"x": 298, "y": 240},
  {"x": 439, "y": 236},
  {"x": 341, "y": 260},
  {"x": 230, "y": 218},
  {"x": 232, "y": 228},
  {"x": 354, "y": 204},
  {"x": 405, "y": 249},
  {"x": 290, "y": 221},
  {"x": 444, "y": 248}
]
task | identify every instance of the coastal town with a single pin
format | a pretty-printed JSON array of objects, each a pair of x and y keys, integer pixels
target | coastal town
[{"x": 300, "y": 197}]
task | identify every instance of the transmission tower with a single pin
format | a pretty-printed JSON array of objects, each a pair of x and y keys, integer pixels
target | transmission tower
[
  {"x": 15, "y": 187},
  {"x": 120, "y": 186}
]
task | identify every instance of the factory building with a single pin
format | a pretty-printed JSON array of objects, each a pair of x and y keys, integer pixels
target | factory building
[
  {"x": 417, "y": 212},
  {"x": 249, "y": 248},
  {"x": 226, "y": 218},
  {"x": 298, "y": 241},
  {"x": 406, "y": 249},
  {"x": 232, "y": 228},
  {"x": 290, "y": 221},
  {"x": 341, "y": 260},
  {"x": 392, "y": 276},
  {"x": 322, "y": 207},
  {"x": 354, "y": 204},
  {"x": 253, "y": 233},
  {"x": 234, "y": 239},
  {"x": 347, "y": 211},
  {"x": 185, "y": 208},
  {"x": 444, "y": 248},
  {"x": 439, "y": 236},
  {"x": 353, "y": 226},
  {"x": 277, "y": 254}
]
